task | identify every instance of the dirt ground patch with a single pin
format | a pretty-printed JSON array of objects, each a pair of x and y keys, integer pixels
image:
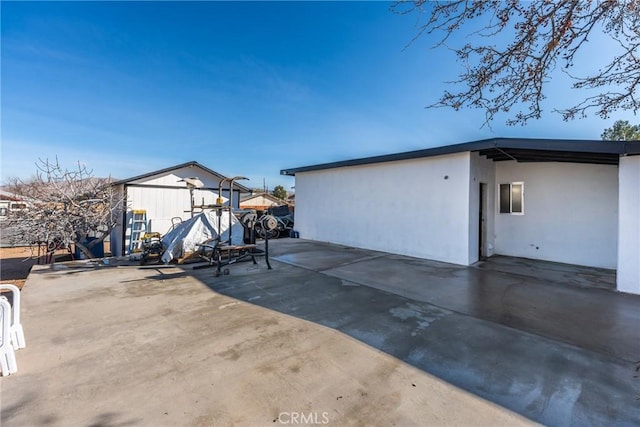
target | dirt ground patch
[{"x": 16, "y": 263}]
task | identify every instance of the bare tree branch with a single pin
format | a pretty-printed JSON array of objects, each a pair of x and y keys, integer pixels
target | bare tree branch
[
  {"x": 65, "y": 207},
  {"x": 544, "y": 34}
]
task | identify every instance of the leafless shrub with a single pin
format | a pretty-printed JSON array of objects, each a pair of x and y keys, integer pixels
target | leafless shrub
[{"x": 65, "y": 206}]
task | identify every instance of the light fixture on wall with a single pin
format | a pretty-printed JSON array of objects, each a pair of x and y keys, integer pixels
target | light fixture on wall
[{"x": 193, "y": 182}]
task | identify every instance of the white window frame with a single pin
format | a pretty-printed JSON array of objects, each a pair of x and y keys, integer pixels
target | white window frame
[{"x": 511, "y": 184}]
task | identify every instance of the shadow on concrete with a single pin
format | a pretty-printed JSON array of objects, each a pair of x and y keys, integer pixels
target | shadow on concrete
[
  {"x": 8, "y": 413},
  {"x": 558, "y": 301},
  {"x": 16, "y": 268},
  {"x": 455, "y": 335},
  {"x": 556, "y": 272},
  {"x": 110, "y": 419},
  {"x": 166, "y": 276}
]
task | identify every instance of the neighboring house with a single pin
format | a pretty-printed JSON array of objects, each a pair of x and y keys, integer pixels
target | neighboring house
[
  {"x": 570, "y": 201},
  {"x": 10, "y": 202},
  {"x": 260, "y": 201},
  {"x": 165, "y": 198},
  {"x": 291, "y": 199}
]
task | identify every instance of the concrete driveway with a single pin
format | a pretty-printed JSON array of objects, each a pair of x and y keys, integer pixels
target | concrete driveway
[
  {"x": 158, "y": 346},
  {"x": 542, "y": 339},
  {"x": 334, "y": 334}
]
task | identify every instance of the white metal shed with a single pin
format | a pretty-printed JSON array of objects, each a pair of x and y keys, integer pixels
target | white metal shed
[{"x": 165, "y": 197}]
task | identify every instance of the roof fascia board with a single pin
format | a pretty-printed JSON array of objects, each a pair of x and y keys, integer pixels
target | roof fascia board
[
  {"x": 157, "y": 172},
  {"x": 177, "y": 187},
  {"x": 407, "y": 155},
  {"x": 128, "y": 181},
  {"x": 571, "y": 145},
  {"x": 632, "y": 148}
]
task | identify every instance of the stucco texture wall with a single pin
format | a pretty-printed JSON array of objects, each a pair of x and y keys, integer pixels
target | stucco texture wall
[
  {"x": 629, "y": 225},
  {"x": 570, "y": 213},
  {"x": 416, "y": 207}
]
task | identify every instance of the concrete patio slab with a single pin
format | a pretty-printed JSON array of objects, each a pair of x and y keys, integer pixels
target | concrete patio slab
[
  {"x": 566, "y": 274},
  {"x": 322, "y": 257},
  {"x": 159, "y": 346},
  {"x": 369, "y": 338},
  {"x": 546, "y": 380},
  {"x": 589, "y": 317}
]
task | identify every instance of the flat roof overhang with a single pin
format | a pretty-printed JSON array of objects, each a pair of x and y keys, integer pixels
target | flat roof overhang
[{"x": 503, "y": 149}]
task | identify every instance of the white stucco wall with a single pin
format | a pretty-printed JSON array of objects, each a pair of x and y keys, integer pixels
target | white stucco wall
[
  {"x": 570, "y": 213},
  {"x": 482, "y": 170},
  {"x": 405, "y": 207},
  {"x": 628, "y": 275}
]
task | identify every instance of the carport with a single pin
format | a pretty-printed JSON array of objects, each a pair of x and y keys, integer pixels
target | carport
[{"x": 567, "y": 201}]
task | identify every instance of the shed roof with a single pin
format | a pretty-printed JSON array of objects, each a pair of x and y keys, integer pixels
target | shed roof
[
  {"x": 500, "y": 149},
  {"x": 237, "y": 186}
]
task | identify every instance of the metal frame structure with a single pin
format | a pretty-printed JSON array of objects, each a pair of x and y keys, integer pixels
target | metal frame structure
[{"x": 234, "y": 253}]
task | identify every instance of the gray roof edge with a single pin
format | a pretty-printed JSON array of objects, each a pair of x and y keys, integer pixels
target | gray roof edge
[
  {"x": 240, "y": 187},
  {"x": 587, "y": 146},
  {"x": 632, "y": 148},
  {"x": 568, "y": 145},
  {"x": 407, "y": 155}
]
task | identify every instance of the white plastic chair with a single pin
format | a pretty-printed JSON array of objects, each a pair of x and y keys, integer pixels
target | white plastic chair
[
  {"x": 15, "y": 327},
  {"x": 8, "y": 363}
]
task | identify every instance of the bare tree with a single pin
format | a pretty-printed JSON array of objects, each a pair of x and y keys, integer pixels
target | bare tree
[
  {"x": 64, "y": 207},
  {"x": 543, "y": 35}
]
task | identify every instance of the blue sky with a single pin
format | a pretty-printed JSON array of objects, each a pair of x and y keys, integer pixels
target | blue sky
[{"x": 243, "y": 88}]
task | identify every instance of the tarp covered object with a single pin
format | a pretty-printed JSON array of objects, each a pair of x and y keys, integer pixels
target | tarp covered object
[{"x": 184, "y": 238}]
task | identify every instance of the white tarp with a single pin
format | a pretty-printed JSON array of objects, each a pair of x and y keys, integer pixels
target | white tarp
[{"x": 183, "y": 240}]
